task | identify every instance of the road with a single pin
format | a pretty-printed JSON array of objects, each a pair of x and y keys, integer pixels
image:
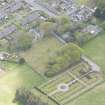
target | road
[{"x": 37, "y": 6}]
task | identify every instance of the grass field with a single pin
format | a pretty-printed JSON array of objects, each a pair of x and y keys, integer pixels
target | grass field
[
  {"x": 93, "y": 97},
  {"x": 38, "y": 55},
  {"x": 16, "y": 76},
  {"x": 95, "y": 49}
]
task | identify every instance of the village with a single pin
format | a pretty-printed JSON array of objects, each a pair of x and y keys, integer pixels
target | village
[{"x": 46, "y": 52}]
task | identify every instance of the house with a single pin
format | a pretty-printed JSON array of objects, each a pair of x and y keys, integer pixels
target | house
[
  {"x": 92, "y": 29},
  {"x": 74, "y": 11},
  {"x": 30, "y": 18},
  {"x": 13, "y": 7},
  {"x": 82, "y": 14},
  {"x": 67, "y": 37},
  {"x": 10, "y": 8},
  {"x": 3, "y": 55},
  {"x": 4, "y": 2},
  {"x": 33, "y": 17},
  {"x": 7, "y": 31}
]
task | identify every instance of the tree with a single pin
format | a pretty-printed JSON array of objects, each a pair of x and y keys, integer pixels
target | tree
[
  {"x": 63, "y": 57},
  {"x": 24, "y": 42},
  {"x": 26, "y": 97},
  {"x": 63, "y": 24},
  {"x": 21, "y": 61},
  {"x": 47, "y": 27}
]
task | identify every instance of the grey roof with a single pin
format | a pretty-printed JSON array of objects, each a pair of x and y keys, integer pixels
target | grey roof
[
  {"x": 2, "y": 15},
  {"x": 83, "y": 13},
  {"x": 10, "y": 8},
  {"x": 7, "y": 31},
  {"x": 31, "y": 17}
]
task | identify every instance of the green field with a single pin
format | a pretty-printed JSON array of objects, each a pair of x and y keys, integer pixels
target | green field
[{"x": 15, "y": 77}]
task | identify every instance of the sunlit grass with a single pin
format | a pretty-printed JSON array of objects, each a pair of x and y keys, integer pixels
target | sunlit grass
[{"x": 16, "y": 77}]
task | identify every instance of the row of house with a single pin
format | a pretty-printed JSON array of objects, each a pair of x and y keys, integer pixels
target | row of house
[
  {"x": 82, "y": 14},
  {"x": 92, "y": 29},
  {"x": 10, "y": 8},
  {"x": 76, "y": 12},
  {"x": 7, "y": 31},
  {"x": 33, "y": 16},
  {"x": 4, "y": 55}
]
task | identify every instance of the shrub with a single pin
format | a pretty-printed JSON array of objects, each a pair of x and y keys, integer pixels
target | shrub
[
  {"x": 21, "y": 61},
  {"x": 64, "y": 57},
  {"x": 24, "y": 42},
  {"x": 26, "y": 97}
]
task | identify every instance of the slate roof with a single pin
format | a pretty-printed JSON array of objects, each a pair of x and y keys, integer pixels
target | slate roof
[
  {"x": 10, "y": 8},
  {"x": 31, "y": 17},
  {"x": 7, "y": 31}
]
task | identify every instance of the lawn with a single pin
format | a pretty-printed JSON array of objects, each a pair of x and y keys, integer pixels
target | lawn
[
  {"x": 95, "y": 49},
  {"x": 93, "y": 97},
  {"x": 15, "y": 77},
  {"x": 38, "y": 55}
]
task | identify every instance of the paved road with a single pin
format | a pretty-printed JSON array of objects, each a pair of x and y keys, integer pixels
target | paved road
[{"x": 38, "y": 6}]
